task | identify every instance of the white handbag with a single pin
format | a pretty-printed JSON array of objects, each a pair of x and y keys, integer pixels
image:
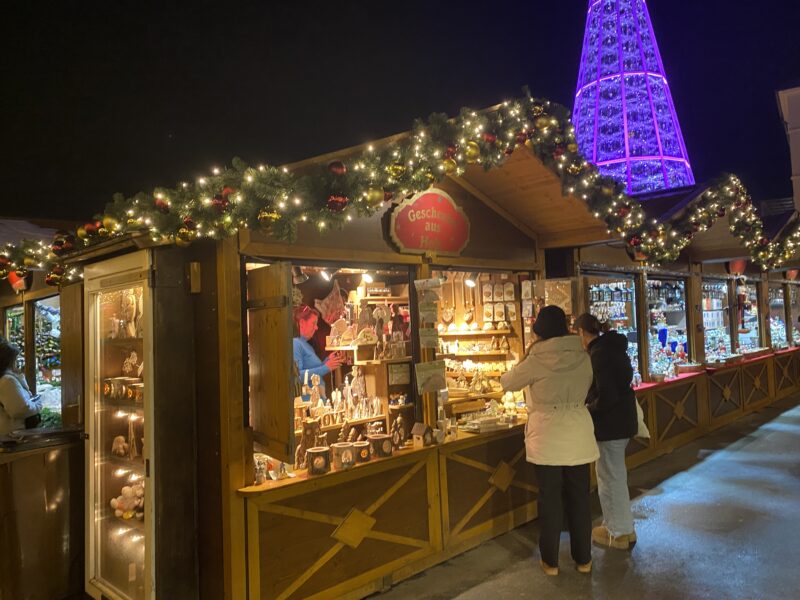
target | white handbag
[{"x": 641, "y": 431}]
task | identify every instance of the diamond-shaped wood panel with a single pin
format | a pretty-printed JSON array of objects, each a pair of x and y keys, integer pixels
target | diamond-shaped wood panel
[
  {"x": 676, "y": 410},
  {"x": 755, "y": 386},
  {"x": 354, "y": 528},
  {"x": 724, "y": 393}
]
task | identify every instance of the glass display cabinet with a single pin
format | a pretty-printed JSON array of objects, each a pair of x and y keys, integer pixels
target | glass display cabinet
[
  {"x": 14, "y": 331},
  {"x": 749, "y": 331},
  {"x": 118, "y": 418},
  {"x": 794, "y": 313},
  {"x": 777, "y": 316},
  {"x": 667, "y": 333},
  {"x": 716, "y": 320},
  {"x": 612, "y": 299}
]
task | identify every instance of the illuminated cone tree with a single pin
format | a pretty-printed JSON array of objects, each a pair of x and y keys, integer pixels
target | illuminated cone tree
[{"x": 624, "y": 117}]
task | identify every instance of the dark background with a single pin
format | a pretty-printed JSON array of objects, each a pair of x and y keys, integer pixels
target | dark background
[{"x": 121, "y": 96}]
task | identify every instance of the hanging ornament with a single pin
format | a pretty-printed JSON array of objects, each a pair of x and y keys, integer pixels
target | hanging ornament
[
  {"x": 396, "y": 170},
  {"x": 374, "y": 196},
  {"x": 634, "y": 240},
  {"x": 337, "y": 167},
  {"x": 3, "y": 273},
  {"x": 189, "y": 223},
  {"x": 227, "y": 191},
  {"x": 337, "y": 203},
  {"x": 449, "y": 165},
  {"x": 220, "y": 202},
  {"x": 541, "y": 122},
  {"x": 267, "y": 217},
  {"x": 185, "y": 237},
  {"x": 623, "y": 211},
  {"x": 573, "y": 147},
  {"x": 521, "y": 137},
  {"x": 763, "y": 241},
  {"x": 472, "y": 151},
  {"x": 558, "y": 151},
  {"x": 451, "y": 150},
  {"x": 574, "y": 169},
  {"x": 110, "y": 223},
  {"x": 529, "y": 144},
  {"x": 489, "y": 137},
  {"x": 29, "y": 261},
  {"x": 509, "y": 151},
  {"x": 161, "y": 205},
  {"x": 55, "y": 276},
  {"x": 537, "y": 110}
]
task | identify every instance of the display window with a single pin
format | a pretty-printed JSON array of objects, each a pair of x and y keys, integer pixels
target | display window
[
  {"x": 349, "y": 353},
  {"x": 47, "y": 344},
  {"x": 749, "y": 332},
  {"x": 794, "y": 311},
  {"x": 483, "y": 323},
  {"x": 14, "y": 331},
  {"x": 777, "y": 316},
  {"x": 667, "y": 333},
  {"x": 716, "y": 321},
  {"x": 612, "y": 299}
]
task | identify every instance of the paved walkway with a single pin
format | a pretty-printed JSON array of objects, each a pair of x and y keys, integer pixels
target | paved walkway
[{"x": 717, "y": 519}]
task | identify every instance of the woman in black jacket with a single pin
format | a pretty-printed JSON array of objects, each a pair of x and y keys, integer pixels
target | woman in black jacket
[{"x": 612, "y": 404}]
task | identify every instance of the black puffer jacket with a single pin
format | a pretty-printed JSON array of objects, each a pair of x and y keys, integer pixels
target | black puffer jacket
[{"x": 611, "y": 399}]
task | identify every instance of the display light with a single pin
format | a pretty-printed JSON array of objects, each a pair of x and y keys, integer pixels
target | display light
[
  {"x": 325, "y": 275},
  {"x": 367, "y": 278},
  {"x": 471, "y": 280}
]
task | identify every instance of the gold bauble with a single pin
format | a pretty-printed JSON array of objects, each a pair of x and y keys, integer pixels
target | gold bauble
[
  {"x": 396, "y": 170},
  {"x": 429, "y": 176},
  {"x": 573, "y": 147},
  {"x": 268, "y": 216},
  {"x": 110, "y": 223},
  {"x": 472, "y": 151},
  {"x": 529, "y": 143},
  {"x": 374, "y": 196},
  {"x": 449, "y": 165},
  {"x": 537, "y": 110},
  {"x": 29, "y": 261},
  {"x": 541, "y": 122},
  {"x": 102, "y": 232},
  {"x": 574, "y": 169},
  {"x": 82, "y": 233},
  {"x": 132, "y": 222}
]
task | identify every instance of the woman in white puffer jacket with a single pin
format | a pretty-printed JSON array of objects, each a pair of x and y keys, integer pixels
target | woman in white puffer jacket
[{"x": 559, "y": 435}]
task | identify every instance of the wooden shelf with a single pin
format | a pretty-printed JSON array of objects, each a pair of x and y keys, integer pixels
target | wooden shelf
[
  {"x": 455, "y": 334},
  {"x": 121, "y": 342},
  {"x": 346, "y": 348},
  {"x": 387, "y": 299},
  {"x": 352, "y": 423},
  {"x": 469, "y": 397},
  {"x": 382, "y": 361},
  {"x": 472, "y": 354},
  {"x": 485, "y": 374}
]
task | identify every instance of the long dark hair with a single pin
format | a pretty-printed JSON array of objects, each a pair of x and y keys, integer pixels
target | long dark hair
[
  {"x": 591, "y": 324},
  {"x": 8, "y": 354}
]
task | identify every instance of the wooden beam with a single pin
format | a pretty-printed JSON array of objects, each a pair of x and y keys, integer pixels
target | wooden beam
[
  {"x": 515, "y": 221},
  {"x": 574, "y": 237}
]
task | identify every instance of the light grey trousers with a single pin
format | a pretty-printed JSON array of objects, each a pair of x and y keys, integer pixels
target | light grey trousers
[{"x": 612, "y": 487}]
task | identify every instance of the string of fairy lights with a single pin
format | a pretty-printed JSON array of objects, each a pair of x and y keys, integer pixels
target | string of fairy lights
[{"x": 328, "y": 196}]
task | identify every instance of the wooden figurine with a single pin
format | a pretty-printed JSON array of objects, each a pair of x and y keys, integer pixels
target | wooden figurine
[
  {"x": 308, "y": 440},
  {"x": 399, "y": 432}
]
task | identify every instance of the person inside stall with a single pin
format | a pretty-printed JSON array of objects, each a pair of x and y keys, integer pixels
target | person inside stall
[
  {"x": 17, "y": 407},
  {"x": 305, "y": 357}
]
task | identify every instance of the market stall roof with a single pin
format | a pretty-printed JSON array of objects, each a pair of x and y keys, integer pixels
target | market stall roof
[
  {"x": 12, "y": 231},
  {"x": 524, "y": 191}
]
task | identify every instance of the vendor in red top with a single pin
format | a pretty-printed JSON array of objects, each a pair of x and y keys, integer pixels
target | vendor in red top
[{"x": 308, "y": 363}]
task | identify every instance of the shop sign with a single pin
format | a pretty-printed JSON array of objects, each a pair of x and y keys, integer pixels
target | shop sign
[{"x": 430, "y": 221}]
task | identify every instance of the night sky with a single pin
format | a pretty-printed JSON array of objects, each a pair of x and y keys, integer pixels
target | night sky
[{"x": 121, "y": 97}]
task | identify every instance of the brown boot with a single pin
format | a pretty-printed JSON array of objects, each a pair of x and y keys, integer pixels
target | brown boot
[
  {"x": 587, "y": 568},
  {"x": 548, "y": 570},
  {"x": 603, "y": 537}
]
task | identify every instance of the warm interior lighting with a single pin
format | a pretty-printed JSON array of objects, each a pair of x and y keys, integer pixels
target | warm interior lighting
[
  {"x": 470, "y": 280},
  {"x": 366, "y": 278},
  {"x": 298, "y": 276}
]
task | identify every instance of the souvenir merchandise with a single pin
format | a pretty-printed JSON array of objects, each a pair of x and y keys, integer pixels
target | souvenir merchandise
[
  {"x": 130, "y": 502},
  {"x": 261, "y": 473},
  {"x": 487, "y": 292},
  {"x": 362, "y": 451},
  {"x": 499, "y": 312},
  {"x": 380, "y": 445},
  {"x": 308, "y": 439},
  {"x": 508, "y": 291},
  {"x": 318, "y": 460},
  {"x": 497, "y": 295},
  {"x": 343, "y": 455},
  {"x": 526, "y": 287},
  {"x": 119, "y": 446}
]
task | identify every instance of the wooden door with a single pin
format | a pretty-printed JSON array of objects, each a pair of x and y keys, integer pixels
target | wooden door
[{"x": 270, "y": 333}]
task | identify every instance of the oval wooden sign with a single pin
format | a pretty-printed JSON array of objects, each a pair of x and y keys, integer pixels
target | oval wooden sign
[{"x": 430, "y": 221}]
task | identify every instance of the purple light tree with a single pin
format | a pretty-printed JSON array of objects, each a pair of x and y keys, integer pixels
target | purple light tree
[{"x": 624, "y": 118}]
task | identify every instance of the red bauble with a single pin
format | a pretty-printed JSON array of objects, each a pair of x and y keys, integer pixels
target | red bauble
[
  {"x": 688, "y": 235},
  {"x": 558, "y": 151},
  {"x": 337, "y": 167},
  {"x": 337, "y": 203},
  {"x": 720, "y": 212},
  {"x": 227, "y": 191},
  {"x": 634, "y": 240},
  {"x": 509, "y": 151},
  {"x": 4, "y": 260},
  {"x": 220, "y": 202},
  {"x": 189, "y": 223},
  {"x": 489, "y": 137},
  {"x": 161, "y": 205},
  {"x": 451, "y": 151},
  {"x": 521, "y": 137},
  {"x": 52, "y": 279},
  {"x": 90, "y": 228},
  {"x": 623, "y": 211},
  {"x": 763, "y": 241}
]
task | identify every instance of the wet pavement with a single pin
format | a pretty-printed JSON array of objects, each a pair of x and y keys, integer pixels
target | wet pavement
[{"x": 718, "y": 518}]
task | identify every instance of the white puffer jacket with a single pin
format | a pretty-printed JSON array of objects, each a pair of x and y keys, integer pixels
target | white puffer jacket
[
  {"x": 15, "y": 403},
  {"x": 558, "y": 374}
]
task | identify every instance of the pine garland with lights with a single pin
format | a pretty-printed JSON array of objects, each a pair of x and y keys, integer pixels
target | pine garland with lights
[{"x": 275, "y": 199}]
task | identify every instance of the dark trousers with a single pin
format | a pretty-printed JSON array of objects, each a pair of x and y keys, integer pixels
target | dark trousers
[{"x": 564, "y": 489}]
